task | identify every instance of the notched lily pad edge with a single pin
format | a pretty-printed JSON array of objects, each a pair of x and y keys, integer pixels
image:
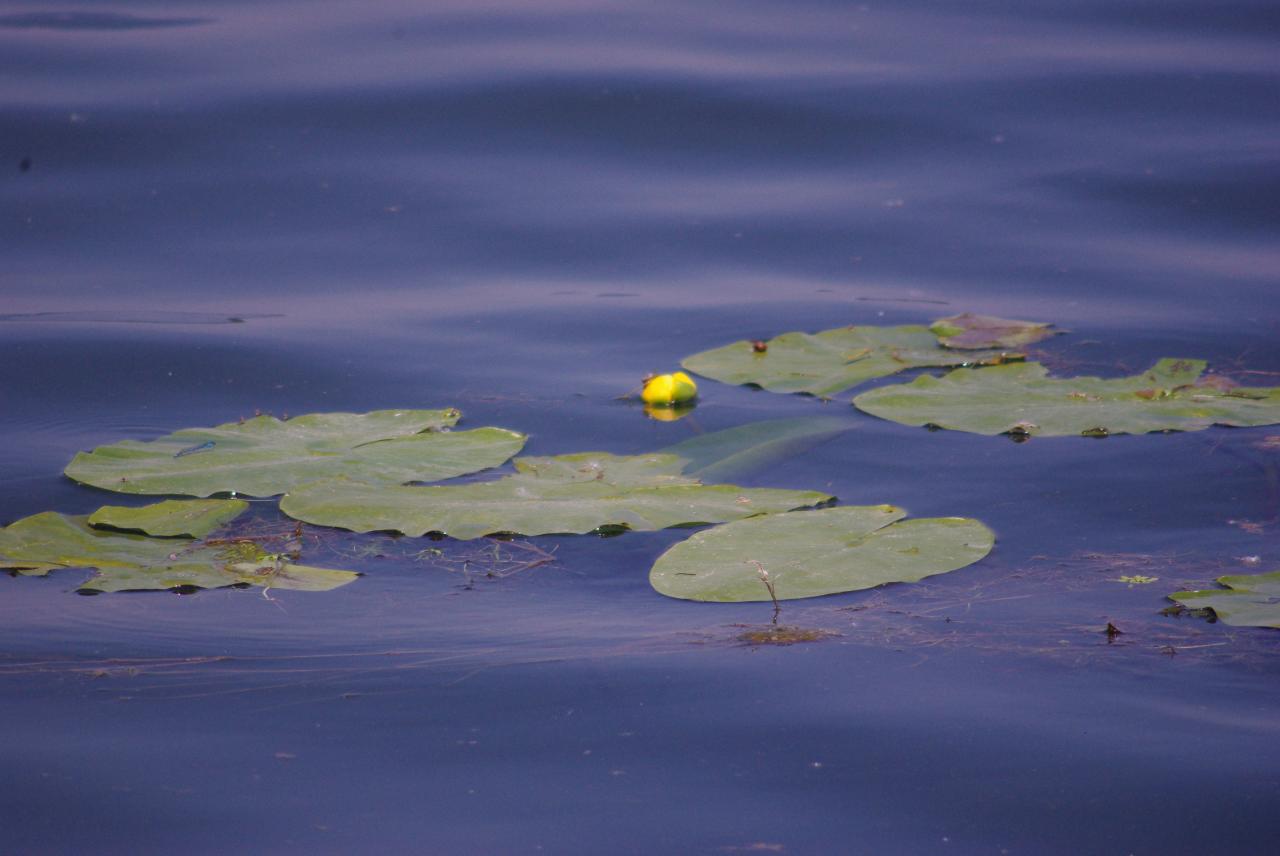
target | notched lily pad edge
[
  {"x": 1257, "y": 597},
  {"x": 170, "y": 518},
  {"x": 965, "y": 331},
  {"x": 40, "y": 544},
  {"x": 47, "y": 571},
  {"x": 1172, "y": 379},
  {"x": 227, "y": 460}
]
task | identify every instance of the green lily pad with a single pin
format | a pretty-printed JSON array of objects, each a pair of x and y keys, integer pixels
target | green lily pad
[
  {"x": 833, "y": 360},
  {"x": 265, "y": 456},
  {"x": 1250, "y": 600},
  {"x": 1023, "y": 400},
  {"x": 746, "y": 449},
  {"x": 986, "y": 331},
  {"x": 813, "y": 553},
  {"x": 186, "y": 518},
  {"x": 125, "y": 562},
  {"x": 565, "y": 494}
]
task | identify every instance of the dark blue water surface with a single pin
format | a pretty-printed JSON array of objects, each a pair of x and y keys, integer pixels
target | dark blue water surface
[{"x": 209, "y": 209}]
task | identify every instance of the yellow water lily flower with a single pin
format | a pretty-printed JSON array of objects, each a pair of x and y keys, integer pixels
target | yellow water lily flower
[{"x": 668, "y": 389}]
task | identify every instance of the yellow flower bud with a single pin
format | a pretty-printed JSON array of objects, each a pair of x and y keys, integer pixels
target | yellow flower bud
[{"x": 669, "y": 389}]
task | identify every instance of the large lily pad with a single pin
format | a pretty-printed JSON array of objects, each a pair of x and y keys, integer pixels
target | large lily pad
[
  {"x": 812, "y": 553},
  {"x": 124, "y": 562},
  {"x": 1250, "y": 600},
  {"x": 1023, "y": 400},
  {"x": 564, "y": 494},
  {"x": 986, "y": 331},
  {"x": 265, "y": 456},
  {"x": 833, "y": 360},
  {"x": 749, "y": 448},
  {"x": 186, "y": 518}
]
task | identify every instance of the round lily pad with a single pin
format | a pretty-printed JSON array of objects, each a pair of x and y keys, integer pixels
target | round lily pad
[{"x": 813, "y": 553}]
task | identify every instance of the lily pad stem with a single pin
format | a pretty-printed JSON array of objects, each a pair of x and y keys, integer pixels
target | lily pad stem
[{"x": 768, "y": 583}]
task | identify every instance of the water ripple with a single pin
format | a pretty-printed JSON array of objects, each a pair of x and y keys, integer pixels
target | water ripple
[{"x": 92, "y": 21}]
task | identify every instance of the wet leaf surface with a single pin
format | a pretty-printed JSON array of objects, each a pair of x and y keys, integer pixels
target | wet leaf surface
[
  {"x": 985, "y": 331},
  {"x": 833, "y": 360},
  {"x": 1249, "y": 600},
  {"x": 565, "y": 494},
  {"x": 1021, "y": 399},
  {"x": 125, "y": 562},
  {"x": 187, "y": 518},
  {"x": 265, "y": 456},
  {"x": 747, "y": 449},
  {"x": 812, "y": 553}
]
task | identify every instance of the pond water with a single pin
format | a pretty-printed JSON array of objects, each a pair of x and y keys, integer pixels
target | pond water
[{"x": 213, "y": 209}]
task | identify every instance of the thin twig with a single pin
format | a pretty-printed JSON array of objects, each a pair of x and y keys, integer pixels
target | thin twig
[{"x": 768, "y": 583}]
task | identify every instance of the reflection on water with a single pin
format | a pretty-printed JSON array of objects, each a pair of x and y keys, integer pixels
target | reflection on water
[{"x": 520, "y": 209}]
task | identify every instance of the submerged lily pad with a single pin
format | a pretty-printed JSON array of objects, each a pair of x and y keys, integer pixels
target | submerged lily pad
[
  {"x": 49, "y": 541},
  {"x": 188, "y": 518},
  {"x": 265, "y": 456},
  {"x": 812, "y": 553},
  {"x": 1250, "y": 600},
  {"x": 749, "y": 448},
  {"x": 782, "y": 635},
  {"x": 833, "y": 360},
  {"x": 985, "y": 331},
  {"x": 1023, "y": 400},
  {"x": 565, "y": 494}
]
